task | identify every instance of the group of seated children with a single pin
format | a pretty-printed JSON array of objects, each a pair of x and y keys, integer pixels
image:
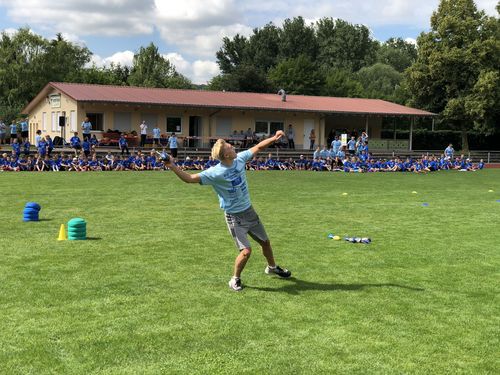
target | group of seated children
[
  {"x": 86, "y": 161},
  {"x": 423, "y": 164}
]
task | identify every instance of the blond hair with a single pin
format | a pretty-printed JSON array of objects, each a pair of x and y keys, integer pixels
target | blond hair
[{"x": 218, "y": 149}]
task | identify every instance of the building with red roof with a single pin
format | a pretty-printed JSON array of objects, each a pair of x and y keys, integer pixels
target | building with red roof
[{"x": 202, "y": 116}]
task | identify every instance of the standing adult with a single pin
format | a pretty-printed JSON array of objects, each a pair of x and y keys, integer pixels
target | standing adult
[
  {"x": 144, "y": 132},
  {"x": 156, "y": 135},
  {"x": 351, "y": 146},
  {"x": 312, "y": 139},
  {"x": 172, "y": 144},
  {"x": 13, "y": 131},
  {"x": 228, "y": 179},
  {"x": 3, "y": 132},
  {"x": 336, "y": 143},
  {"x": 290, "y": 134},
  {"x": 24, "y": 128},
  {"x": 449, "y": 151},
  {"x": 86, "y": 128}
]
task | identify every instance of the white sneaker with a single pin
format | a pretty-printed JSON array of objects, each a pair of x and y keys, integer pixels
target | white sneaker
[{"x": 235, "y": 284}]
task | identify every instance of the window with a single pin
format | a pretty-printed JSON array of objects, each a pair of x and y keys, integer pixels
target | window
[
  {"x": 53, "y": 121},
  {"x": 268, "y": 127},
  {"x": 72, "y": 121},
  {"x": 97, "y": 120},
  {"x": 44, "y": 121},
  {"x": 174, "y": 125}
]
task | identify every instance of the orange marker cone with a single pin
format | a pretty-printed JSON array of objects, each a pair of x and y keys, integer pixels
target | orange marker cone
[{"x": 62, "y": 234}]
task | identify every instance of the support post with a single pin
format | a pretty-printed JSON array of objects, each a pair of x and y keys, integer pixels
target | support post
[{"x": 411, "y": 133}]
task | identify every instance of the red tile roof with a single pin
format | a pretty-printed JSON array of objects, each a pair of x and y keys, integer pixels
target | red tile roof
[{"x": 227, "y": 100}]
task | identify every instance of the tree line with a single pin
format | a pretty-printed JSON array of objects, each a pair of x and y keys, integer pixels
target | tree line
[
  {"x": 453, "y": 70},
  {"x": 29, "y": 61}
]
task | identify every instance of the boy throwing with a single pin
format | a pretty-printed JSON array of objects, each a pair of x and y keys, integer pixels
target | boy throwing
[{"x": 228, "y": 179}]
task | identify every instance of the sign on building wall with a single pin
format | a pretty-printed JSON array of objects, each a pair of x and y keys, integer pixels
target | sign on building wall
[
  {"x": 55, "y": 100},
  {"x": 343, "y": 139}
]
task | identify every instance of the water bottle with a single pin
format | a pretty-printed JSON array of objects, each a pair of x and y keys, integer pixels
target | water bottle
[{"x": 364, "y": 240}]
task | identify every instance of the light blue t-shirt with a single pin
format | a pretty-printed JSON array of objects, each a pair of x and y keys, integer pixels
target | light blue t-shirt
[
  {"x": 156, "y": 133},
  {"x": 86, "y": 127},
  {"x": 230, "y": 183},
  {"x": 172, "y": 142}
]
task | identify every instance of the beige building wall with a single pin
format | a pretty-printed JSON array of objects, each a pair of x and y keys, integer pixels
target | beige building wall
[{"x": 46, "y": 114}]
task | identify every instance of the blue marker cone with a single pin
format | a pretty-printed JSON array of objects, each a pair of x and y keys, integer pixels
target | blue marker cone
[{"x": 30, "y": 212}]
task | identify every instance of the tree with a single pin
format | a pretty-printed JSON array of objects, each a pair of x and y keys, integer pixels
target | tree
[
  {"x": 115, "y": 74},
  {"x": 296, "y": 38},
  {"x": 397, "y": 53},
  {"x": 342, "y": 83},
  {"x": 64, "y": 58},
  {"x": 263, "y": 47},
  {"x": 297, "y": 76},
  {"x": 379, "y": 81},
  {"x": 455, "y": 60},
  {"x": 28, "y": 62},
  {"x": 245, "y": 78},
  {"x": 150, "y": 69},
  {"x": 343, "y": 45},
  {"x": 232, "y": 53}
]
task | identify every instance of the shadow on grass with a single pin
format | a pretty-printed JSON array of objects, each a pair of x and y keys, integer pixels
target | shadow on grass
[
  {"x": 36, "y": 221},
  {"x": 294, "y": 286},
  {"x": 94, "y": 238}
]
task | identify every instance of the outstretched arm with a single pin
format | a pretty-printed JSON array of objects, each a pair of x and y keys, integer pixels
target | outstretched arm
[
  {"x": 184, "y": 176},
  {"x": 267, "y": 142}
]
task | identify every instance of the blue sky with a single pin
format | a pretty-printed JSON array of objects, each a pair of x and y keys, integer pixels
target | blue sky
[{"x": 189, "y": 32}]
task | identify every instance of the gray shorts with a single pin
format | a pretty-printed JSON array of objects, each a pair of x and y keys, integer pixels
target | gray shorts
[{"x": 243, "y": 223}]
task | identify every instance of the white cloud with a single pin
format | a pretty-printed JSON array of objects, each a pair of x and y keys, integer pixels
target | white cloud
[
  {"x": 199, "y": 26},
  {"x": 411, "y": 40},
  {"x": 124, "y": 58},
  {"x": 195, "y": 28},
  {"x": 10, "y": 32},
  {"x": 204, "y": 70},
  {"x": 90, "y": 17},
  {"x": 73, "y": 38},
  {"x": 199, "y": 71}
]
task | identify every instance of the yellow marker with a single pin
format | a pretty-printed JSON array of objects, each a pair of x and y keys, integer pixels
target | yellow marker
[
  {"x": 414, "y": 192},
  {"x": 336, "y": 238},
  {"x": 62, "y": 234},
  {"x": 490, "y": 191},
  {"x": 344, "y": 193}
]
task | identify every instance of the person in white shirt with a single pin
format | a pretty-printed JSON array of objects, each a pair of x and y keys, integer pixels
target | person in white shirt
[{"x": 144, "y": 132}]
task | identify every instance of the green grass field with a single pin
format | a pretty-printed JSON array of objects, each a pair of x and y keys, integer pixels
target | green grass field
[{"x": 148, "y": 294}]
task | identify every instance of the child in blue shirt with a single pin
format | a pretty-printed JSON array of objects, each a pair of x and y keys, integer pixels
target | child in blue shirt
[
  {"x": 228, "y": 179},
  {"x": 26, "y": 147}
]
